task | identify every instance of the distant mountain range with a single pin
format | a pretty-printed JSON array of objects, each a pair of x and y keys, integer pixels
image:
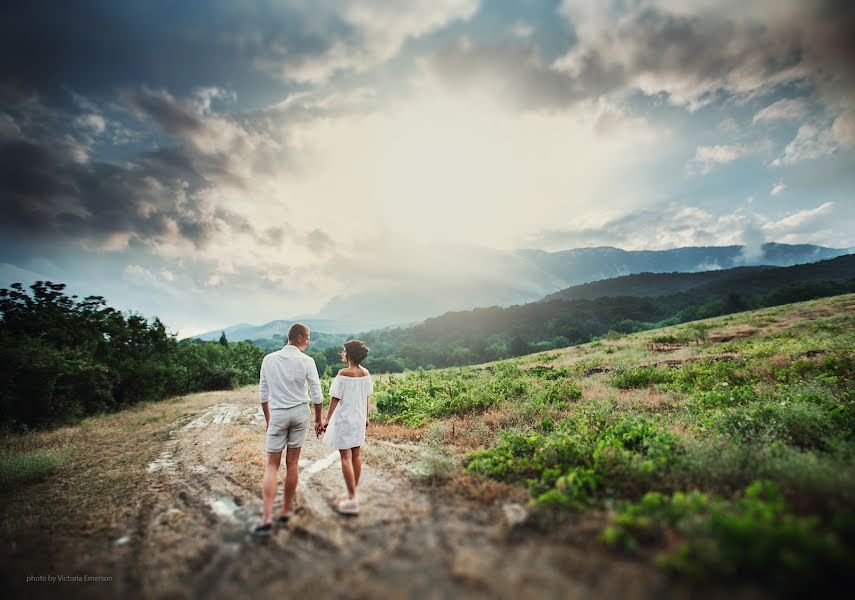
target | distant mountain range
[
  {"x": 741, "y": 280},
  {"x": 581, "y": 313},
  {"x": 592, "y": 264},
  {"x": 246, "y": 331},
  {"x": 498, "y": 278}
]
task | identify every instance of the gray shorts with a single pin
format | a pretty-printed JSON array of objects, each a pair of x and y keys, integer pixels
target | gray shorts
[{"x": 288, "y": 427}]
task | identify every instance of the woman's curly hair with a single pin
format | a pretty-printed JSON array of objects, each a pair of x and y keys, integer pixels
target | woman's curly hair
[{"x": 356, "y": 351}]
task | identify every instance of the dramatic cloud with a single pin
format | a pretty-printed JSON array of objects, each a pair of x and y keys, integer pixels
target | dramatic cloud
[
  {"x": 693, "y": 57},
  {"x": 55, "y": 191},
  {"x": 252, "y": 157}
]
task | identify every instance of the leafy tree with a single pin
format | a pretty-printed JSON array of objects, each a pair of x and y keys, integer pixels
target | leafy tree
[{"x": 62, "y": 358}]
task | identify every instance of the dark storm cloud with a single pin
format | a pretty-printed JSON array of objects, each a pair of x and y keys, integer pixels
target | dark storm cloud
[
  {"x": 50, "y": 194},
  {"x": 95, "y": 47},
  {"x": 29, "y": 170},
  {"x": 691, "y": 57},
  {"x": 173, "y": 117}
]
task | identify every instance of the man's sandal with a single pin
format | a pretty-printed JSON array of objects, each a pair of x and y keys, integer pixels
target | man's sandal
[
  {"x": 282, "y": 520},
  {"x": 262, "y": 530}
]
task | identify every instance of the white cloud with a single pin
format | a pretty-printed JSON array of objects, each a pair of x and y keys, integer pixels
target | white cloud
[
  {"x": 380, "y": 28},
  {"x": 141, "y": 276},
  {"x": 786, "y": 109},
  {"x": 843, "y": 129},
  {"x": 811, "y": 142},
  {"x": 96, "y": 123},
  {"x": 708, "y": 158},
  {"x": 521, "y": 29},
  {"x": 777, "y": 189},
  {"x": 801, "y": 222}
]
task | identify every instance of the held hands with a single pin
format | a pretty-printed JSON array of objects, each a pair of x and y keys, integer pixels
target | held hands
[{"x": 320, "y": 428}]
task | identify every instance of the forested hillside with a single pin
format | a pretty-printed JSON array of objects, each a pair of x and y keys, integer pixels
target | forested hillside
[
  {"x": 622, "y": 305},
  {"x": 740, "y": 280}
]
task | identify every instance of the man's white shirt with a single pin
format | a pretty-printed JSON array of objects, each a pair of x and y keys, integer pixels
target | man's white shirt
[{"x": 285, "y": 375}]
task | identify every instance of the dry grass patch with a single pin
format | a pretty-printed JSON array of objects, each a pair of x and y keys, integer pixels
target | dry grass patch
[
  {"x": 647, "y": 399},
  {"x": 102, "y": 472},
  {"x": 486, "y": 491},
  {"x": 395, "y": 432}
]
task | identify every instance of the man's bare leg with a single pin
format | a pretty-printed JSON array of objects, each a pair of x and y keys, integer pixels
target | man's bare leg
[
  {"x": 268, "y": 485},
  {"x": 292, "y": 459}
]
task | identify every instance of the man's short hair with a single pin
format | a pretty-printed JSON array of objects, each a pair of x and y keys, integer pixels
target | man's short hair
[{"x": 297, "y": 330}]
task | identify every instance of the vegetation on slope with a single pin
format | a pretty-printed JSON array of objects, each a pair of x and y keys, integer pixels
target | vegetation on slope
[
  {"x": 487, "y": 334},
  {"x": 724, "y": 448}
]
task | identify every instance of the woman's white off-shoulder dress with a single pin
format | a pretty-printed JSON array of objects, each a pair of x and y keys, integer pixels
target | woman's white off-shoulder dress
[{"x": 347, "y": 426}]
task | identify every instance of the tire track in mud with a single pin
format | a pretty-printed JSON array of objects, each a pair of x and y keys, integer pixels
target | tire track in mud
[{"x": 409, "y": 541}]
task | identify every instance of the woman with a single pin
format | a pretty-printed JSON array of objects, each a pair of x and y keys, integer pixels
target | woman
[{"x": 347, "y": 419}]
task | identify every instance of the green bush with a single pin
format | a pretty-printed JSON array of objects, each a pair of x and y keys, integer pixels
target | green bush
[
  {"x": 30, "y": 467},
  {"x": 755, "y": 535},
  {"x": 799, "y": 424},
  {"x": 706, "y": 375},
  {"x": 588, "y": 456},
  {"x": 641, "y": 377},
  {"x": 724, "y": 395},
  {"x": 422, "y": 396}
]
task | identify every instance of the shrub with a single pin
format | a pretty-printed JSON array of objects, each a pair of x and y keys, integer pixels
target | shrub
[
  {"x": 587, "y": 456},
  {"x": 29, "y": 467},
  {"x": 724, "y": 395},
  {"x": 755, "y": 535},
  {"x": 641, "y": 377},
  {"x": 706, "y": 375}
]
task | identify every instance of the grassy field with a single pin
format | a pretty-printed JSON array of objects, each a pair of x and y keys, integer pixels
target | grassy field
[{"x": 722, "y": 448}]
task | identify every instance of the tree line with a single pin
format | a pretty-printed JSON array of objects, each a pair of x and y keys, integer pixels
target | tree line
[{"x": 62, "y": 358}]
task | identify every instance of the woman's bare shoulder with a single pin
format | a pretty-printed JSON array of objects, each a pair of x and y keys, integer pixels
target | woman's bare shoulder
[{"x": 358, "y": 371}]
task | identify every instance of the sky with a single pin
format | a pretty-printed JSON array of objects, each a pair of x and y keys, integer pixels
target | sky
[{"x": 219, "y": 162}]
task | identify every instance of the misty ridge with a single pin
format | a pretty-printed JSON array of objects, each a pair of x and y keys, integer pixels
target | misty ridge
[{"x": 496, "y": 278}]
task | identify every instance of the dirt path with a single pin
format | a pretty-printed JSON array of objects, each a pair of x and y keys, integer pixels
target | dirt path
[
  {"x": 187, "y": 535},
  {"x": 190, "y": 538}
]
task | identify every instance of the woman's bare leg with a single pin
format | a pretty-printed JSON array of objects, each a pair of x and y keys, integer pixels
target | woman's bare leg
[
  {"x": 347, "y": 471},
  {"x": 357, "y": 465}
]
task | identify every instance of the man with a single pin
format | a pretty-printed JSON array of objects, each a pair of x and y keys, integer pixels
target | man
[{"x": 285, "y": 375}]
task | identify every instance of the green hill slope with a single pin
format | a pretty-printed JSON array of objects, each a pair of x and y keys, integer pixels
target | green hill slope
[
  {"x": 722, "y": 449},
  {"x": 624, "y": 304}
]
